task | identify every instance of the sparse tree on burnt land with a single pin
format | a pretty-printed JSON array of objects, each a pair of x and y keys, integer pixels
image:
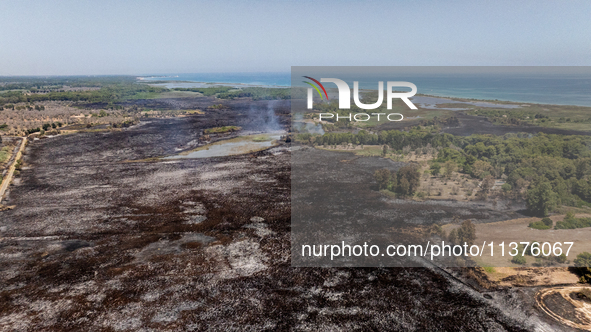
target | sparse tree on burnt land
[
  {"x": 467, "y": 233},
  {"x": 382, "y": 177},
  {"x": 404, "y": 182}
]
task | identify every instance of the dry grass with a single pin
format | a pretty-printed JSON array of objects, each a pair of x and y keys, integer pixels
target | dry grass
[
  {"x": 517, "y": 230},
  {"x": 19, "y": 120}
]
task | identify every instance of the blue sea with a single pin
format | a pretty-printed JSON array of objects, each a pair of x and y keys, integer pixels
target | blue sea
[
  {"x": 259, "y": 79},
  {"x": 542, "y": 85}
]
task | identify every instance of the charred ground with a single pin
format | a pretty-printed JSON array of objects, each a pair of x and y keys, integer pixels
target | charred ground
[{"x": 97, "y": 242}]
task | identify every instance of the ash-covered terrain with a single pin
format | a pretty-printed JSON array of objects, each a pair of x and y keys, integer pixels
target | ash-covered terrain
[{"x": 106, "y": 238}]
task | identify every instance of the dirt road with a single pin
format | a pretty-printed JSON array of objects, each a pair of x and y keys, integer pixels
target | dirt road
[{"x": 8, "y": 178}]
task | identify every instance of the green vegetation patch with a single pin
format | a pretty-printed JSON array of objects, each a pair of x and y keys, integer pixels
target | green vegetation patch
[
  {"x": 256, "y": 93},
  {"x": 570, "y": 222},
  {"x": 107, "y": 90},
  {"x": 212, "y": 91},
  {"x": 556, "y": 116},
  {"x": 547, "y": 170},
  {"x": 262, "y": 138},
  {"x": 545, "y": 223},
  {"x": 405, "y": 182},
  {"x": 4, "y": 154},
  {"x": 220, "y": 130},
  {"x": 519, "y": 260},
  {"x": 583, "y": 265}
]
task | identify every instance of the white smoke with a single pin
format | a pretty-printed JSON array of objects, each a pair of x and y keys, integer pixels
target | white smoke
[
  {"x": 264, "y": 119},
  {"x": 299, "y": 125}
]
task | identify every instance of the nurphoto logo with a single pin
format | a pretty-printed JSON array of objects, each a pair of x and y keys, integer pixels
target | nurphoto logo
[
  {"x": 345, "y": 98},
  {"x": 345, "y": 93}
]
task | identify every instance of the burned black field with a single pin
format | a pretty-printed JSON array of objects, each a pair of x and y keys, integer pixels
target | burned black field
[
  {"x": 335, "y": 197},
  {"x": 105, "y": 238}
]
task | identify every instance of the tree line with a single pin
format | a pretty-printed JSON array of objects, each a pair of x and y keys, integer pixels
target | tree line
[
  {"x": 107, "y": 94},
  {"x": 404, "y": 182},
  {"x": 552, "y": 169},
  {"x": 256, "y": 93}
]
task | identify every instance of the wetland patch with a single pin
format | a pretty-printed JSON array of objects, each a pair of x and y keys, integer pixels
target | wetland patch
[{"x": 231, "y": 147}]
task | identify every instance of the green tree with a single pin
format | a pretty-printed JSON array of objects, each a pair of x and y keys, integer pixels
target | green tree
[
  {"x": 435, "y": 169},
  {"x": 583, "y": 264},
  {"x": 382, "y": 177},
  {"x": 547, "y": 221},
  {"x": 520, "y": 260},
  {"x": 403, "y": 187},
  {"x": 506, "y": 188},
  {"x": 409, "y": 179},
  {"x": 481, "y": 168},
  {"x": 453, "y": 236},
  {"x": 560, "y": 259},
  {"x": 541, "y": 199},
  {"x": 467, "y": 233},
  {"x": 449, "y": 167}
]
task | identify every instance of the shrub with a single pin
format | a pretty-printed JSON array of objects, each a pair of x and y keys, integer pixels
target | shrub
[
  {"x": 560, "y": 259},
  {"x": 547, "y": 221},
  {"x": 539, "y": 225},
  {"x": 506, "y": 187},
  {"x": 585, "y": 294},
  {"x": 404, "y": 182},
  {"x": 489, "y": 269},
  {"x": 520, "y": 260},
  {"x": 583, "y": 263},
  {"x": 570, "y": 222},
  {"x": 220, "y": 130},
  {"x": 435, "y": 168},
  {"x": 467, "y": 233}
]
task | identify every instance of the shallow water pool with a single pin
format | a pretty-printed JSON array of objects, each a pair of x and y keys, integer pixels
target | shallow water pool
[{"x": 231, "y": 147}]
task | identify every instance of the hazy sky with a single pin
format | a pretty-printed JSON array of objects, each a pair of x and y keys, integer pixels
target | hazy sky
[{"x": 62, "y": 37}]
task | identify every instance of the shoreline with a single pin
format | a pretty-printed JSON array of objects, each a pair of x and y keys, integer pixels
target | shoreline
[{"x": 169, "y": 84}]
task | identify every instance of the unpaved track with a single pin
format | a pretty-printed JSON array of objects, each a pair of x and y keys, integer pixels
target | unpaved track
[
  {"x": 6, "y": 181},
  {"x": 582, "y": 310}
]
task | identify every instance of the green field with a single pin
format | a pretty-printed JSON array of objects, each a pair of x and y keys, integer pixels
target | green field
[{"x": 4, "y": 154}]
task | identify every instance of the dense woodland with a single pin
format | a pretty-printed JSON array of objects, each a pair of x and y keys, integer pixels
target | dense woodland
[
  {"x": 256, "y": 93},
  {"x": 111, "y": 90},
  {"x": 105, "y": 95},
  {"x": 524, "y": 117},
  {"x": 58, "y": 82},
  {"x": 553, "y": 170}
]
